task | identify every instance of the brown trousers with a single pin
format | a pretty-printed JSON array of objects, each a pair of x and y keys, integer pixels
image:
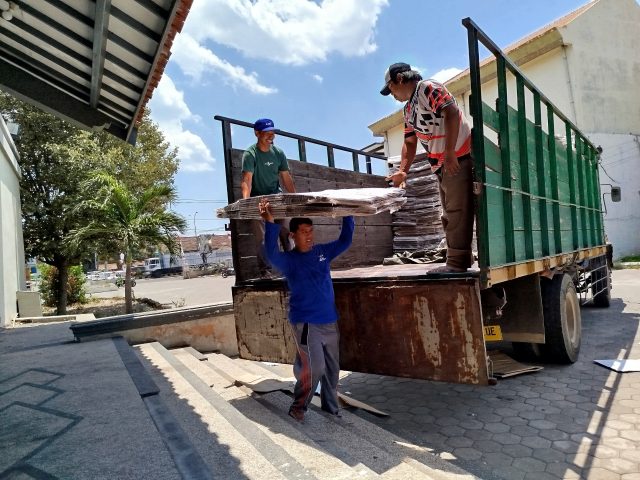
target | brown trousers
[{"x": 456, "y": 196}]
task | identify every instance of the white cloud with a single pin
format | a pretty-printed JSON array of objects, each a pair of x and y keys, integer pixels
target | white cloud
[
  {"x": 169, "y": 110},
  {"x": 196, "y": 60},
  {"x": 293, "y": 32},
  {"x": 317, "y": 78},
  {"x": 444, "y": 75}
]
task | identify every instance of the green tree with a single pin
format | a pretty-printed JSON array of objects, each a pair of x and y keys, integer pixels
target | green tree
[
  {"x": 132, "y": 220},
  {"x": 56, "y": 158},
  {"x": 151, "y": 162}
]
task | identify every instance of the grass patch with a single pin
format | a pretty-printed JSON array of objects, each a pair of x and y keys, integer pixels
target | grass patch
[
  {"x": 630, "y": 258},
  {"x": 107, "y": 307}
]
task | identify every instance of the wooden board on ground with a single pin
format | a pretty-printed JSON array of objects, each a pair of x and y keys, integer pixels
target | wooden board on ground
[
  {"x": 504, "y": 366},
  {"x": 266, "y": 385}
]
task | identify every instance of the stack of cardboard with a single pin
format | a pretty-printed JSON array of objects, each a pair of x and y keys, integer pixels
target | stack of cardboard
[
  {"x": 417, "y": 225},
  {"x": 327, "y": 203}
]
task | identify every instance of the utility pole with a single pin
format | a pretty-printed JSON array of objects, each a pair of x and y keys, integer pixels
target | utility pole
[{"x": 194, "y": 224}]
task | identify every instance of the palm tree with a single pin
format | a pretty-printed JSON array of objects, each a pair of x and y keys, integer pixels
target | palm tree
[{"x": 129, "y": 220}]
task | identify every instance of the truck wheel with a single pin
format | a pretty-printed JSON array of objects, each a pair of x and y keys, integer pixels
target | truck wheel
[
  {"x": 601, "y": 284},
  {"x": 562, "y": 320}
]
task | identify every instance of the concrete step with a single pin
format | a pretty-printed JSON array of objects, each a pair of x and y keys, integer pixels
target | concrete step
[
  {"x": 328, "y": 430},
  {"x": 230, "y": 444},
  {"x": 418, "y": 457},
  {"x": 324, "y": 463}
]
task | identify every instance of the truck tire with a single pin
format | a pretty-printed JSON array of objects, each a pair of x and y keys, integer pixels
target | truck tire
[
  {"x": 562, "y": 320},
  {"x": 601, "y": 283}
]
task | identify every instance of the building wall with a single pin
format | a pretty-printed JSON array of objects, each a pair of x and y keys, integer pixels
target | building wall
[
  {"x": 621, "y": 166},
  {"x": 12, "y": 264},
  {"x": 604, "y": 60}
]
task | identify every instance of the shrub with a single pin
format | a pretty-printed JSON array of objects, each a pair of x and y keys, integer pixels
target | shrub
[{"x": 75, "y": 285}]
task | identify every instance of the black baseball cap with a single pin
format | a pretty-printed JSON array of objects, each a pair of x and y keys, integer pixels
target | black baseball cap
[{"x": 391, "y": 73}]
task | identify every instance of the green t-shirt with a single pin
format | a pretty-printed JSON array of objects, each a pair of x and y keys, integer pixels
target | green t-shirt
[{"x": 266, "y": 168}]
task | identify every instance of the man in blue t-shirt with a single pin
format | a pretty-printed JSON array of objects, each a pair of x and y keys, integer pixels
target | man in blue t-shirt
[
  {"x": 312, "y": 308},
  {"x": 264, "y": 168}
]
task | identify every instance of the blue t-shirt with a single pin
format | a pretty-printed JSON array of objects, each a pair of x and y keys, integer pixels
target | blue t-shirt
[{"x": 308, "y": 274}]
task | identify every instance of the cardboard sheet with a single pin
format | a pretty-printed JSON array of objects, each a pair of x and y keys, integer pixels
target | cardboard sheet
[
  {"x": 621, "y": 366},
  {"x": 326, "y": 203},
  {"x": 504, "y": 366}
]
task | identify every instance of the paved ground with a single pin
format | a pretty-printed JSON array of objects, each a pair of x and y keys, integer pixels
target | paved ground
[
  {"x": 565, "y": 422},
  {"x": 571, "y": 422},
  {"x": 179, "y": 291}
]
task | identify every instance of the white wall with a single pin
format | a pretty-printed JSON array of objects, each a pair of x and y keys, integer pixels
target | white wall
[
  {"x": 621, "y": 161},
  {"x": 11, "y": 244},
  {"x": 604, "y": 60}
]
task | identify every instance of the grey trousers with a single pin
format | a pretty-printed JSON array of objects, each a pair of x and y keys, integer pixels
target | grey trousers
[
  {"x": 456, "y": 195},
  {"x": 257, "y": 226},
  {"x": 317, "y": 360}
]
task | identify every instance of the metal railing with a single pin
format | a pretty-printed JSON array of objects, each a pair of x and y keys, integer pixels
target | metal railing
[{"x": 580, "y": 152}]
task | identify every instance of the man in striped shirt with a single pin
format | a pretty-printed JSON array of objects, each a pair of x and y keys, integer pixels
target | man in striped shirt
[{"x": 432, "y": 116}]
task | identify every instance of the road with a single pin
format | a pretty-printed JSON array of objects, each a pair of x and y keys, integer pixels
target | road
[{"x": 177, "y": 291}]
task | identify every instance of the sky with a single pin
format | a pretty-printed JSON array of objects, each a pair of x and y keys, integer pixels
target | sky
[{"x": 315, "y": 68}]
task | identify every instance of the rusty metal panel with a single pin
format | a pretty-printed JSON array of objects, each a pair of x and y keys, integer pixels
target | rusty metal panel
[
  {"x": 415, "y": 328},
  {"x": 429, "y": 329},
  {"x": 262, "y": 327}
]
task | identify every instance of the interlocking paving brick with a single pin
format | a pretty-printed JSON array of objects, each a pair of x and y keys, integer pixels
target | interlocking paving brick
[
  {"x": 570, "y": 427},
  {"x": 536, "y": 442},
  {"x": 459, "y": 442},
  {"x": 507, "y": 438},
  {"x": 514, "y": 421},
  {"x": 517, "y": 450},
  {"x": 467, "y": 453},
  {"x": 540, "y": 476},
  {"x": 554, "y": 435},
  {"x": 566, "y": 446},
  {"x": 602, "y": 474},
  {"x": 497, "y": 427},
  {"x": 616, "y": 465},
  {"x": 497, "y": 458},
  {"x": 529, "y": 464},
  {"x": 564, "y": 470},
  {"x": 478, "y": 435},
  {"x": 631, "y": 435},
  {"x": 532, "y": 415},
  {"x": 524, "y": 430},
  {"x": 508, "y": 472},
  {"x": 487, "y": 446},
  {"x": 549, "y": 455}
]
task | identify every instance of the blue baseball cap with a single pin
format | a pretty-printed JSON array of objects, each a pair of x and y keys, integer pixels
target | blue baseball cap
[{"x": 263, "y": 125}]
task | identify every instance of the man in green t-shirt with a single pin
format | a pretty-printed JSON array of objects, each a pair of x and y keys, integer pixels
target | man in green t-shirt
[{"x": 264, "y": 169}]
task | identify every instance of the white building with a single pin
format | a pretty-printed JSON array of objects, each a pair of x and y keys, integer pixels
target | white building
[
  {"x": 12, "y": 277},
  {"x": 588, "y": 64}
]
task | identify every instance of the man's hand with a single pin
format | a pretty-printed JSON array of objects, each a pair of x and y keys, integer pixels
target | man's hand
[
  {"x": 399, "y": 178},
  {"x": 451, "y": 165},
  {"x": 265, "y": 210}
]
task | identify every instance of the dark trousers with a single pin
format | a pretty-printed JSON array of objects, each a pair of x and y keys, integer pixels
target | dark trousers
[
  {"x": 456, "y": 195},
  {"x": 317, "y": 360}
]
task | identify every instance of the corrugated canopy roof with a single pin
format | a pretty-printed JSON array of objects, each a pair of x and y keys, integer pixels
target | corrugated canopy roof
[{"x": 92, "y": 62}]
